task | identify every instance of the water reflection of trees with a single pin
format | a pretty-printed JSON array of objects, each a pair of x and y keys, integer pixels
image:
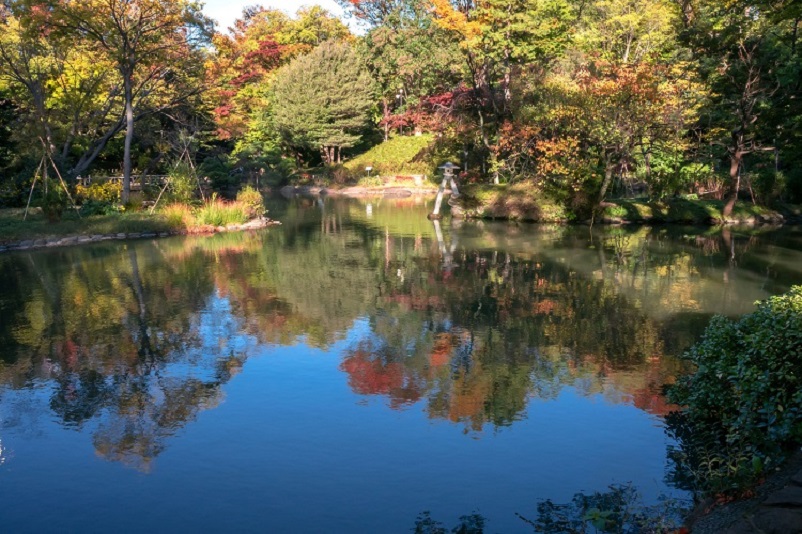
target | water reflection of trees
[
  {"x": 133, "y": 340},
  {"x": 619, "y": 509},
  {"x": 480, "y": 339},
  {"x": 103, "y": 327}
]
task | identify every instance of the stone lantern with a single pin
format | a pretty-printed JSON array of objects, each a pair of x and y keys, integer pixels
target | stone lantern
[{"x": 448, "y": 178}]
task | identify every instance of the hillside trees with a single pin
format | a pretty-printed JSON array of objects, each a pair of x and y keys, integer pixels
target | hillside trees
[
  {"x": 242, "y": 71},
  {"x": 499, "y": 38},
  {"x": 584, "y": 98},
  {"x": 322, "y": 101},
  {"x": 410, "y": 62}
]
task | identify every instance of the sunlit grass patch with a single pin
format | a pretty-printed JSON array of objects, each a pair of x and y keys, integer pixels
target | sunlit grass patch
[{"x": 219, "y": 213}]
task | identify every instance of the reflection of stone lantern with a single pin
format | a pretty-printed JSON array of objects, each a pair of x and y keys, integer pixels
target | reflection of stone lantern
[{"x": 448, "y": 178}]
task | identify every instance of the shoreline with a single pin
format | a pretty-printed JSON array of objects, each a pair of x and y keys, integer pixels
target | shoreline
[
  {"x": 751, "y": 216},
  {"x": 396, "y": 191},
  {"x": 84, "y": 239},
  {"x": 775, "y": 504},
  {"x": 529, "y": 214}
]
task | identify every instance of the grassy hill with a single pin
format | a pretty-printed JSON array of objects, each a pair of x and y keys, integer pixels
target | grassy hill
[{"x": 398, "y": 155}]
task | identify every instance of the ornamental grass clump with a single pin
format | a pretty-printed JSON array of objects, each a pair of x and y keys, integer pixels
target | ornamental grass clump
[
  {"x": 216, "y": 212},
  {"x": 178, "y": 216},
  {"x": 742, "y": 407}
]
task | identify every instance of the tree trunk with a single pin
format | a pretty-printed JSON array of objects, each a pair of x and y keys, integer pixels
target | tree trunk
[
  {"x": 507, "y": 82},
  {"x": 735, "y": 181},
  {"x": 129, "y": 136},
  {"x": 386, "y": 114},
  {"x": 608, "y": 177}
]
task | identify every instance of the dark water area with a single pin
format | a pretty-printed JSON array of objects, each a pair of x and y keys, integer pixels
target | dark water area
[{"x": 353, "y": 368}]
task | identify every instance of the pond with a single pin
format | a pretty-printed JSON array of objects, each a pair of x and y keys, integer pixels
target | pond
[{"x": 353, "y": 368}]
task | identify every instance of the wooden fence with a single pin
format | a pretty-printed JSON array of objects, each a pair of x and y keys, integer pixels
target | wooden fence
[{"x": 137, "y": 182}]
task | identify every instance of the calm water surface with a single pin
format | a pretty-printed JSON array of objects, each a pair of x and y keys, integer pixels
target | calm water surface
[{"x": 353, "y": 368}]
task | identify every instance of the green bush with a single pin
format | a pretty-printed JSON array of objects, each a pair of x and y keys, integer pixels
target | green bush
[
  {"x": 253, "y": 201},
  {"x": 54, "y": 201},
  {"x": 96, "y": 207},
  {"x": 183, "y": 184},
  {"x": 742, "y": 407}
]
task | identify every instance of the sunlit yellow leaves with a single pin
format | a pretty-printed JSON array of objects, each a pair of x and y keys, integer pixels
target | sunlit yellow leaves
[
  {"x": 449, "y": 18},
  {"x": 629, "y": 30}
]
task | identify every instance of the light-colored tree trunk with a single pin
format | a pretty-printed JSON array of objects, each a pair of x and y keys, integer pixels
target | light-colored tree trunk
[{"x": 129, "y": 137}]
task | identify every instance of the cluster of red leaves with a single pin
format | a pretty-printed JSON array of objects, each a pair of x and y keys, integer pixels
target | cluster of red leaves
[{"x": 434, "y": 112}]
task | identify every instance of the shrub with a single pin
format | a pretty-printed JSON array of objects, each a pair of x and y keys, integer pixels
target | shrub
[
  {"x": 103, "y": 192},
  {"x": 93, "y": 207},
  {"x": 54, "y": 201},
  {"x": 253, "y": 202},
  {"x": 742, "y": 407},
  {"x": 218, "y": 172},
  {"x": 371, "y": 181},
  {"x": 183, "y": 184}
]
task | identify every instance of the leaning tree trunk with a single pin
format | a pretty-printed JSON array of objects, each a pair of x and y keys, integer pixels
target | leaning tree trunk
[{"x": 609, "y": 167}]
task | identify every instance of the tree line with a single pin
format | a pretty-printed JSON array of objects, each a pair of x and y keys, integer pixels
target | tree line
[{"x": 581, "y": 99}]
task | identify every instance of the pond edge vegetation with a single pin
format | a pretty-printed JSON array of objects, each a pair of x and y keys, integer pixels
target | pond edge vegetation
[
  {"x": 741, "y": 407},
  {"x": 104, "y": 219}
]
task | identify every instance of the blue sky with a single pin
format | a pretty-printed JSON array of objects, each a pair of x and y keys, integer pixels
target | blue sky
[{"x": 226, "y": 11}]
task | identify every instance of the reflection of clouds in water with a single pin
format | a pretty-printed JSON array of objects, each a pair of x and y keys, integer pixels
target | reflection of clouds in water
[{"x": 2, "y": 453}]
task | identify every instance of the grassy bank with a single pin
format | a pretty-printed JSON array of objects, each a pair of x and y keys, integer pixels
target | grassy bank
[
  {"x": 13, "y": 228},
  {"x": 173, "y": 218},
  {"x": 399, "y": 157}
]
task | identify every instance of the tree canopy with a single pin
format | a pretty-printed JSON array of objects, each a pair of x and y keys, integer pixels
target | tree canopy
[
  {"x": 323, "y": 100},
  {"x": 580, "y": 100}
]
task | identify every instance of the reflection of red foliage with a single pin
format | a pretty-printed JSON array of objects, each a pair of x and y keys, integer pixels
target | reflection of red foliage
[
  {"x": 441, "y": 351},
  {"x": 69, "y": 349},
  {"x": 544, "y": 307},
  {"x": 650, "y": 399},
  {"x": 372, "y": 376}
]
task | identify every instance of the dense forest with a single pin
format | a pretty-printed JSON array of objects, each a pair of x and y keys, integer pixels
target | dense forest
[{"x": 579, "y": 100}]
